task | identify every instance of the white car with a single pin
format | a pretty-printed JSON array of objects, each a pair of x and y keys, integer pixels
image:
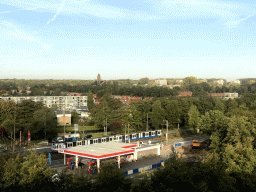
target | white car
[
  {"x": 59, "y": 139},
  {"x": 3, "y": 147}
]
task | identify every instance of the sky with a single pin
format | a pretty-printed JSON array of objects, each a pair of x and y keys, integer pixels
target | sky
[{"x": 77, "y": 39}]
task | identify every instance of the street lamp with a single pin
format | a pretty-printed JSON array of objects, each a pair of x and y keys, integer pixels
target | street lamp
[{"x": 167, "y": 128}]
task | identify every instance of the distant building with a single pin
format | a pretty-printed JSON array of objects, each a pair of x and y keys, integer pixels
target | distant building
[
  {"x": 225, "y": 95},
  {"x": 236, "y": 82},
  {"x": 185, "y": 94},
  {"x": 96, "y": 99},
  {"x": 83, "y": 113},
  {"x": 179, "y": 81},
  {"x": 63, "y": 118},
  {"x": 74, "y": 94},
  {"x": 161, "y": 82},
  {"x": 217, "y": 94},
  {"x": 219, "y": 82},
  {"x": 98, "y": 81},
  {"x": 68, "y": 102},
  {"x": 127, "y": 99}
]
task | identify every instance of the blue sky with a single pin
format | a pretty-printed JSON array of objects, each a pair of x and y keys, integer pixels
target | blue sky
[{"x": 77, "y": 39}]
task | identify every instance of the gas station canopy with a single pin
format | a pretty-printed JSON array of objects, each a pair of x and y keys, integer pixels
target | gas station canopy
[{"x": 100, "y": 150}]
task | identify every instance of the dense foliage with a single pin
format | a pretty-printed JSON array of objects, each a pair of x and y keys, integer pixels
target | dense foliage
[{"x": 28, "y": 116}]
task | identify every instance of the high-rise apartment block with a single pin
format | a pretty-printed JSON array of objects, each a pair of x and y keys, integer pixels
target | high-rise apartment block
[{"x": 70, "y": 103}]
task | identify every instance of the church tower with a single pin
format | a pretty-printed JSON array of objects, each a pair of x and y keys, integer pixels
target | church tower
[{"x": 98, "y": 79}]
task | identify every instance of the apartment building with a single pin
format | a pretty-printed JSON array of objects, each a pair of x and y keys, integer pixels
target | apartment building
[
  {"x": 219, "y": 82},
  {"x": 225, "y": 95},
  {"x": 236, "y": 82},
  {"x": 161, "y": 82},
  {"x": 70, "y": 103}
]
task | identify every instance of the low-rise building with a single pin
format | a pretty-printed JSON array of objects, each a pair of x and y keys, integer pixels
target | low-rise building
[
  {"x": 225, "y": 95},
  {"x": 63, "y": 117},
  {"x": 127, "y": 99},
  {"x": 185, "y": 94}
]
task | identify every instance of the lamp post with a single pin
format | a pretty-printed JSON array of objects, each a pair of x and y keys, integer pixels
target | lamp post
[
  {"x": 128, "y": 134},
  {"x": 166, "y": 128},
  {"x": 45, "y": 125},
  {"x": 106, "y": 125},
  {"x": 147, "y": 122}
]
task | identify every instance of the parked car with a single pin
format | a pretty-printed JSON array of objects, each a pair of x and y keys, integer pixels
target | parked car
[
  {"x": 52, "y": 140},
  {"x": 3, "y": 147},
  {"x": 87, "y": 136},
  {"x": 112, "y": 134},
  {"x": 59, "y": 139}
]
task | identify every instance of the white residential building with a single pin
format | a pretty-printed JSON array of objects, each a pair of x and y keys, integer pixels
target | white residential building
[
  {"x": 237, "y": 82},
  {"x": 161, "y": 82},
  {"x": 68, "y": 102},
  {"x": 220, "y": 81}
]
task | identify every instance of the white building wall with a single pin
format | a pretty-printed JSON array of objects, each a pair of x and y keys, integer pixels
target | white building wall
[{"x": 69, "y": 102}]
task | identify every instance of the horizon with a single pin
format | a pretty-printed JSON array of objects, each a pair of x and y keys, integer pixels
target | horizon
[
  {"x": 162, "y": 78},
  {"x": 66, "y": 39}
]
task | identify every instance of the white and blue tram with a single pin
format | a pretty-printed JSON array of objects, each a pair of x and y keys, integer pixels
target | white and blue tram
[
  {"x": 124, "y": 138},
  {"x": 117, "y": 138}
]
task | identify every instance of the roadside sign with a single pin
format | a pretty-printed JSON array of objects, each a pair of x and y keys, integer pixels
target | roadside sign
[{"x": 75, "y": 127}]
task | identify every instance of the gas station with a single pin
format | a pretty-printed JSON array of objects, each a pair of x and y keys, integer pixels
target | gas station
[{"x": 100, "y": 151}]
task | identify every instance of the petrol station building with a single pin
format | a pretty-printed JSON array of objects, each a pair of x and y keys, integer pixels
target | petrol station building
[{"x": 101, "y": 151}]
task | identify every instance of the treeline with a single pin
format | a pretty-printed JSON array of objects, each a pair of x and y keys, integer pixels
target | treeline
[
  {"x": 144, "y": 87},
  {"x": 112, "y": 114},
  {"x": 28, "y": 116},
  {"x": 31, "y": 173}
]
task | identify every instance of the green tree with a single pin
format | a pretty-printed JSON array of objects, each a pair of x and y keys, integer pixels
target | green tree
[
  {"x": 143, "y": 81},
  {"x": 11, "y": 172},
  {"x": 173, "y": 112},
  {"x": 110, "y": 178},
  {"x": 74, "y": 117},
  {"x": 238, "y": 152},
  {"x": 157, "y": 115},
  {"x": 188, "y": 81},
  {"x": 194, "y": 117},
  {"x": 212, "y": 121},
  {"x": 90, "y": 101}
]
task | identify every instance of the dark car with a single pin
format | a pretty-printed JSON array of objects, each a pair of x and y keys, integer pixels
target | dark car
[
  {"x": 80, "y": 164},
  {"x": 52, "y": 140},
  {"x": 87, "y": 136},
  {"x": 112, "y": 134}
]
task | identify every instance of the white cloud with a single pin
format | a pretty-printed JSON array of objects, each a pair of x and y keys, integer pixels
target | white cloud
[{"x": 58, "y": 12}]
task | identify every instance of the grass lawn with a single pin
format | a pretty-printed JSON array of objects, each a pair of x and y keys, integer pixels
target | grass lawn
[{"x": 81, "y": 128}]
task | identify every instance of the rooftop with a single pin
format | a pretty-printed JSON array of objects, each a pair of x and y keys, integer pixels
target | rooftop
[{"x": 101, "y": 150}]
